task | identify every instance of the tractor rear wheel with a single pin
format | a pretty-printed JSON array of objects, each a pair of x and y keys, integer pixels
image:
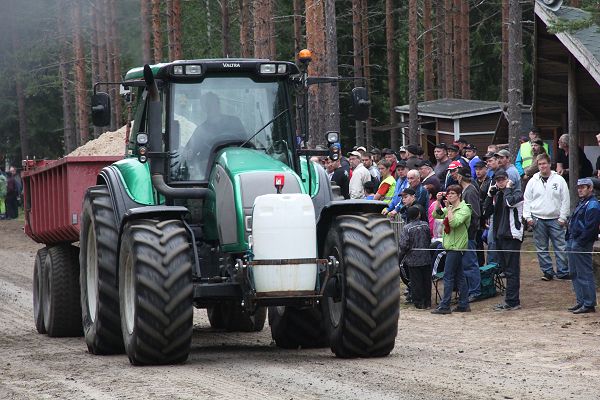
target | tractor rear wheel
[
  {"x": 60, "y": 292},
  {"x": 361, "y": 311},
  {"x": 292, "y": 327},
  {"x": 156, "y": 292},
  {"x": 38, "y": 287},
  {"x": 233, "y": 318},
  {"x": 98, "y": 275}
]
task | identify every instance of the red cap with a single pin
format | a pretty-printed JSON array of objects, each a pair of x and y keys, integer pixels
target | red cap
[{"x": 454, "y": 165}]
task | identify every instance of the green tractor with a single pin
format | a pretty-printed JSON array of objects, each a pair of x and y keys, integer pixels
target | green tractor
[{"x": 216, "y": 206}]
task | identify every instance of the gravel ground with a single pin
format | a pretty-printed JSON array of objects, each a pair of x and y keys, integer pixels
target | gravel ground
[{"x": 539, "y": 352}]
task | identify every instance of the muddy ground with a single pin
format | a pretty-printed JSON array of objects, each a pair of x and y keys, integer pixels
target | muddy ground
[{"x": 539, "y": 352}]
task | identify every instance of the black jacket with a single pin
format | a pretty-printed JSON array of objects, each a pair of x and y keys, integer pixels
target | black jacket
[
  {"x": 470, "y": 195},
  {"x": 415, "y": 235}
]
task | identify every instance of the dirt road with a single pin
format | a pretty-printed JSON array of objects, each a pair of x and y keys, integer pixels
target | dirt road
[{"x": 539, "y": 352}]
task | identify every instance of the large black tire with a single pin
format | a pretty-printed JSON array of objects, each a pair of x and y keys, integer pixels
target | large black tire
[
  {"x": 361, "y": 315},
  {"x": 293, "y": 328},
  {"x": 38, "y": 287},
  {"x": 60, "y": 292},
  {"x": 233, "y": 318},
  {"x": 99, "y": 240},
  {"x": 156, "y": 292}
]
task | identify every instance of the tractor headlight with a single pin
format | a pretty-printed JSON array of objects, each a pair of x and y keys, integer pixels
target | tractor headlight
[
  {"x": 193, "y": 69},
  {"x": 333, "y": 137},
  {"x": 268, "y": 68}
]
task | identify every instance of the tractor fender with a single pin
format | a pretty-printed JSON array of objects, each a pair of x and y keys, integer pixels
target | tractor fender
[
  {"x": 342, "y": 207},
  {"x": 111, "y": 177}
]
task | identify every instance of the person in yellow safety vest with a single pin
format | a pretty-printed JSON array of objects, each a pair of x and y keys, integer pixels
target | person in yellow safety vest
[
  {"x": 525, "y": 155},
  {"x": 386, "y": 189}
]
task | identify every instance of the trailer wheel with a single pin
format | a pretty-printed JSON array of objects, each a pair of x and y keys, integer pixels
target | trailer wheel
[
  {"x": 156, "y": 292},
  {"x": 38, "y": 285},
  {"x": 361, "y": 311},
  {"x": 233, "y": 318},
  {"x": 60, "y": 292},
  {"x": 292, "y": 327},
  {"x": 98, "y": 275}
]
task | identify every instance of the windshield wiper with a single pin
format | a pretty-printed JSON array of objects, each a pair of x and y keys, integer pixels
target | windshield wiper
[{"x": 267, "y": 124}]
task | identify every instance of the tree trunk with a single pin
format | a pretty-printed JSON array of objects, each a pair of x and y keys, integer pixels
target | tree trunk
[
  {"x": 102, "y": 45},
  {"x": 80, "y": 83},
  {"x": 448, "y": 60},
  {"x": 94, "y": 53},
  {"x": 246, "y": 28},
  {"x": 315, "y": 40},
  {"x": 504, "y": 83},
  {"x": 170, "y": 31},
  {"x": 115, "y": 65},
  {"x": 575, "y": 3},
  {"x": 225, "y": 28},
  {"x": 428, "y": 77},
  {"x": 392, "y": 69},
  {"x": 156, "y": 32},
  {"x": 457, "y": 50},
  {"x": 466, "y": 49},
  {"x": 573, "y": 129},
  {"x": 332, "y": 116},
  {"x": 298, "y": 42},
  {"x": 174, "y": 29},
  {"x": 146, "y": 31},
  {"x": 413, "y": 73},
  {"x": 357, "y": 49},
  {"x": 515, "y": 75},
  {"x": 440, "y": 18},
  {"x": 367, "y": 69},
  {"x": 64, "y": 68},
  {"x": 264, "y": 29}
]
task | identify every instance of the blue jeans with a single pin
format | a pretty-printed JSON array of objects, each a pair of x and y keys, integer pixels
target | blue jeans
[
  {"x": 545, "y": 230},
  {"x": 470, "y": 266},
  {"x": 582, "y": 273},
  {"x": 492, "y": 256},
  {"x": 453, "y": 271}
]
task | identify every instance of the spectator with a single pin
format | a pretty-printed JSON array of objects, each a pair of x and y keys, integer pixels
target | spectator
[
  {"x": 387, "y": 186},
  {"x": 367, "y": 161},
  {"x": 401, "y": 184},
  {"x": 503, "y": 157},
  {"x": 526, "y": 156},
  {"x": 454, "y": 154},
  {"x": 414, "y": 182},
  {"x": 470, "y": 263},
  {"x": 370, "y": 190},
  {"x": 546, "y": 209},
  {"x": 461, "y": 143},
  {"x": 457, "y": 217},
  {"x": 537, "y": 148},
  {"x": 409, "y": 199},
  {"x": 582, "y": 232},
  {"x": 493, "y": 166},
  {"x": 451, "y": 177},
  {"x": 482, "y": 182},
  {"x": 562, "y": 160},
  {"x": 504, "y": 205},
  {"x": 471, "y": 155},
  {"x": 428, "y": 177},
  {"x": 376, "y": 154},
  {"x": 442, "y": 161},
  {"x": 413, "y": 236},
  {"x": 360, "y": 175},
  {"x": 492, "y": 148},
  {"x": 2, "y": 194},
  {"x": 491, "y": 161},
  {"x": 389, "y": 156},
  {"x": 12, "y": 194},
  {"x": 412, "y": 158},
  {"x": 598, "y": 159},
  {"x": 339, "y": 176},
  {"x": 403, "y": 153}
]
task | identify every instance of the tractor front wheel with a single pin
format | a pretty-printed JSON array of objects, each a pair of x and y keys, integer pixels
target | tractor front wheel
[
  {"x": 361, "y": 305},
  {"x": 156, "y": 292},
  {"x": 38, "y": 287}
]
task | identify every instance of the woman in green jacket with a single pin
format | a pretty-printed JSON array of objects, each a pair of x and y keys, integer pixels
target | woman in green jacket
[{"x": 457, "y": 217}]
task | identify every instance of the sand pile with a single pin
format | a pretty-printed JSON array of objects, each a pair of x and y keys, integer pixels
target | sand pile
[{"x": 107, "y": 144}]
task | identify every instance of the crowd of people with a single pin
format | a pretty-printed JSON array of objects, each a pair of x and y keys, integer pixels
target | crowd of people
[{"x": 465, "y": 201}]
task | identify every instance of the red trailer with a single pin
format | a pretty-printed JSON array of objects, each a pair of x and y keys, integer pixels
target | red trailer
[{"x": 53, "y": 192}]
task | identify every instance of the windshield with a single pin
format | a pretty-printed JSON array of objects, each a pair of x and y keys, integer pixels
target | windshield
[{"x": 226, "y": 111}]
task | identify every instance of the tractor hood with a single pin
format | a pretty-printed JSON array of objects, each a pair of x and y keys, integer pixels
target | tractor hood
[{"x": 238, "y": 176}]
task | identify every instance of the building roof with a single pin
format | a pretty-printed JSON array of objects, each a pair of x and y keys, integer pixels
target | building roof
[
  {"x": 454, "y": 108},
  {"x": 583, "y": 44}
]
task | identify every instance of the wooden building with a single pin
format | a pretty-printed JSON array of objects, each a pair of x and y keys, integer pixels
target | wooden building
[{"x": 445, "y": 120}]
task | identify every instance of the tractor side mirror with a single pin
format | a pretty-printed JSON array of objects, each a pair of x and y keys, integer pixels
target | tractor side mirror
[
  {"x": 101, "y": 109},
  {"x": 554, "y": 5},
  {"x": 360, "y": 103}
]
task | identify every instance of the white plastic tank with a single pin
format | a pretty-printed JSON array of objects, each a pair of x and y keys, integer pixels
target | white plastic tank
[{"x": 283, "y": 227}]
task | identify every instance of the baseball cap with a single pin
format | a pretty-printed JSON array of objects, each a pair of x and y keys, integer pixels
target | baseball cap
[
  {"x": 401, "y": 164},
  {"x": 375, "y": 150},
  {"x": 454, "y": 165},
  {"x": 361, "y": 148},
  {"x": 480, "y": 164},
  {"x": 539, "y": 142},
  {"x": 503, "y": 153},
  {"x": 441, "y": 146},
  {"x": 452, "y": 147},
  {"x": 423, "y": 163},
  {"x": 470, "y": 147},
  {"x": 500, "y": 173},
  {"x": 354, "y": 153},
  {"x": 409, "y": 191},
  {"x": 412, "y": 148},
  {"x": 461, "y": 140},
  {"x": 488, "y": 155},
  {"x": 465, "y": 172},
  {"x": 387, "y": 151},
  {"x": 585, "y": 181}
]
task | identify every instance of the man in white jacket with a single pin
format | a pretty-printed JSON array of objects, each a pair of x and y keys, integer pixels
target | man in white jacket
[
  {"x": 360, "y": 175},
  {"x": 546, "y": 209}
]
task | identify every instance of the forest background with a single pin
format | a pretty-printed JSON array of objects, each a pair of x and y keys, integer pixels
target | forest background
[{"x": 52, "y": 51}]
